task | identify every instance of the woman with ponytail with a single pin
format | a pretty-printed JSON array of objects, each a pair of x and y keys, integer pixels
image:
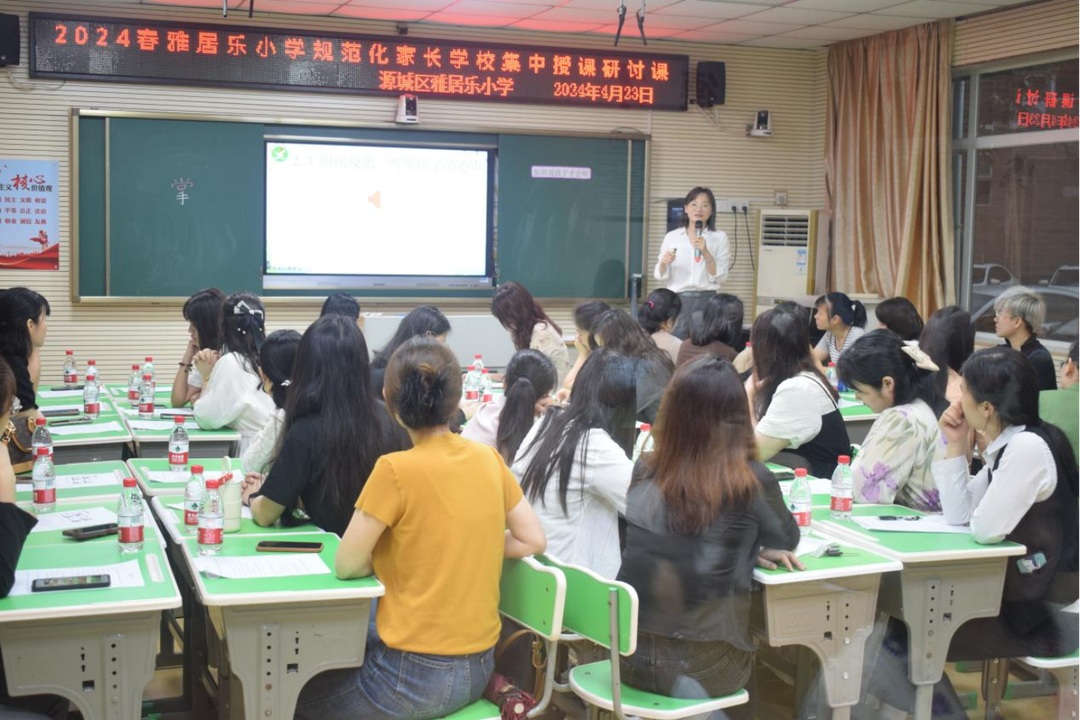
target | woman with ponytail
[
  {"x": 900, "y": 383},
  {"x": 657, "y": 316},
  {"x": 844, "y": 322},
  {"x": 434, "y": 523},
  {"x": 504, "y": 422},
  {"x": 232, "y": 396}
]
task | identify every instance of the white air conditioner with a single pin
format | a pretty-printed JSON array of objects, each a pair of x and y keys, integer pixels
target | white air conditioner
[{"x": 788, "y": 255}]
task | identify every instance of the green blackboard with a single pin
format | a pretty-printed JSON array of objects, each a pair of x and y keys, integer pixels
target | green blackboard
[{"x": 166, "y": 207}]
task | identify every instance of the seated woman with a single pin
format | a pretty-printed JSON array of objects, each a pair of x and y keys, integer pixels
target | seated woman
[
  {"x": 333, "y": 433},
  {"x": 530, "y": 327},
  {"x": 615, "y": 330},
  {"x": 899, "y": 383},
  {"x": 585, "y": 316},
  {"x": 575, "y": 466},
  {"x": 231, "y": 396},
  {"x": 719, "y": 331},
  {"x": 701, "y": 510},
  {"x": 276, "y": 358},
  {"x": 504, "y": 422},
  {"x": 24, "y": 325},
  {"x": 657, "y": 316},
  {"x": 949, "y": 340},
  {"x": 1026, "y": 493},
  {"x": 203, "y": 313},
  {"x": 434, "y": 523},
  {"x": 422, "y": 321},
  {"x": 901, "y": 316},
  {"x": 792, "y": 405},
  {"x": 344, "y": 304},
  {"x": 843, "y": 320}
]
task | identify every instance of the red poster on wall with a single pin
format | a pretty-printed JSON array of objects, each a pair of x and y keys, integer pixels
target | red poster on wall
[{"x": 29, "y": 211}]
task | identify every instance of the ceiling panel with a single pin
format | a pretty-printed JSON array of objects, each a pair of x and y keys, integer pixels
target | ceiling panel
[
  {"x": 755, "y": 28},
  {"x": 707, "y": 9},
  {"x": 584, "y": 15},
  {"x": 855, "y": 6},
  {"x": 631, "y": 39},
  {"x": 295, "y": 7},
  {"x": 713, "y": 36},
  {"x": 428, "y": 5},
  {"x": 539, "y": 23},
  {"x": 381, "y": 13},
  {"x": 934, "y": 9},
  {"x": 796, "y": 16},
  {"x": 216, "y": 4},
  {"x": 880, "y": 23},
  {"x": 789, "y": 43},
  {"x": 611, "y": 5},
  {"x": 829, "y": 34},
  {"x": 496, "y": 9}
]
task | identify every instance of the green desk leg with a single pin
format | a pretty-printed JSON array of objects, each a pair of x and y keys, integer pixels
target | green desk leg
[
  {"x": 101, "y": 664},
  {"x": 831, "y": 617},
  {"x": 275, "y": 649},
  {"x": 934, "y": 600}
]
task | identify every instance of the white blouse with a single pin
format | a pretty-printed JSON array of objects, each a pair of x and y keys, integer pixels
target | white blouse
[
  {"x": 796, "y": 410},
  {"x": 257, "y": 456},
  {"x": 232, "y": 397},
  {"x": 687, "y": 274}
]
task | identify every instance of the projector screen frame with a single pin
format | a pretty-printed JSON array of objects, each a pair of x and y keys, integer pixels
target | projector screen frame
[{"x": 345, "y": 281}]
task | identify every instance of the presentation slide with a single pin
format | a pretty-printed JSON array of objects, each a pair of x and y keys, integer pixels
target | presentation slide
[{"x": 375, "y": 210}]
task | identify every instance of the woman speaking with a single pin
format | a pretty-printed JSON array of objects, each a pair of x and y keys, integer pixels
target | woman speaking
[{"x": 694, "y": 259}]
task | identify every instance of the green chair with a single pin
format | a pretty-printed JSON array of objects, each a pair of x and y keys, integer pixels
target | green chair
[
  {"x": 606, "y": 613},
  {"x": 534, "y": 596}
]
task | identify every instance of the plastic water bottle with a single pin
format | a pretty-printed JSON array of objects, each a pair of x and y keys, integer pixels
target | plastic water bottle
[
  {"x": 478, "y": 362},
  {"x": 472, "y": 385},
  {"x": 832, "y": 377},
  {"x": 644, "y": 441},
  {"x": 148, "y": 369},
  {"x": 71, "y": 369},
  {"x": 130, "y": 518},
  {"x": 842, "y": 489},
  {"x": 91, "y": 396},
  {"x": 485, "y": 386},
  {"x": 799, "y": 500},
  {"x": 91, "y": 371},
  {"x": 146, "y": 397},
  {"x": 178, "y": 446},
  {"x": 43, "y": 477},
  {"x": 211, "y": 519},
  {"x": 193, "y": 499},
  {"x": 134, "y": 383},
  {"x": 42, "y": 438}
]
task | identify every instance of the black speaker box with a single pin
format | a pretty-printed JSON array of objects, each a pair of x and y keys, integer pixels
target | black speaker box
[
  {"x": 711, "y": 80},
  {"x": 9, "y": 40}
]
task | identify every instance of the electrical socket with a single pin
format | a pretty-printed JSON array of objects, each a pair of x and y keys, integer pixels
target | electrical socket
[
  {"x": 780, "y": 197},
  {"x": 739, "y": 204}
]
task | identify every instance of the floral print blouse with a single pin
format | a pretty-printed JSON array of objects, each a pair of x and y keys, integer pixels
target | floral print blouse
[{"x": 894, "y": 463}]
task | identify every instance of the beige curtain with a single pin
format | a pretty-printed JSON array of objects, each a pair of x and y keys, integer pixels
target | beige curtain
[{"x": 887, "y": 165}]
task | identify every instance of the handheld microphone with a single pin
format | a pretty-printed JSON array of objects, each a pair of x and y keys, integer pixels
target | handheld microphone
[{"x": 698, "y": 229}]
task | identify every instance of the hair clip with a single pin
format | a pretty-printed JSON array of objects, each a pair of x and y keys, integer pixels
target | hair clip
[
  {"x": 242, "y": 308},
  {"x": 286, "y": 382},
  {"x": 650, "y": 303},
  {"x": 921, "y": 359}
]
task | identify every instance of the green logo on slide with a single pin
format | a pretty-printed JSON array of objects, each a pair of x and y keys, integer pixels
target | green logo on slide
[{"x": 279, "y": 153}]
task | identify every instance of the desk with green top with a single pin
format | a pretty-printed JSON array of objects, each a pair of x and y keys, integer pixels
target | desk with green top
[
  {"x": 169, "y": 513},
  {"x": 95, "y": 441},
  {"x": 97, "y": 644},
  {"x": 78, "y": 487},
  {"x": 946, "y": 580},
  {"x": 828, "y": 608},
  {"x": 142, "y": 467},
  {"x": 155, "y": 443}
]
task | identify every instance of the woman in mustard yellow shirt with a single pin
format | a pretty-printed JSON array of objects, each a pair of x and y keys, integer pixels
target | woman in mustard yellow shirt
[{"x": 434, "y": 523}]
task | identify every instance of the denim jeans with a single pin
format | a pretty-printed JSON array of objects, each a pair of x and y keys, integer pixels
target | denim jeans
[{"x": 397, "y": 684}]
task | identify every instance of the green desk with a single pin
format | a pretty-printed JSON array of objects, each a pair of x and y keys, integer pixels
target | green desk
[
  {"x": 281, "y": 632},
  {"x": 947, "y": 579},
  {"x": 74, "y": 490},
  {"x": 93, "y": 647},
  {"x": 828, "y": 608},
  {"x": 172, "y": 520},
  {"x": 56, "y": 537},
  {"x": 162, "y": 393},
  {"x": 141, "y": 468},
  {"x": 155, "y": 443},
  {"x": 99, "y": 440},
  {"x": 857, "y": 418}
]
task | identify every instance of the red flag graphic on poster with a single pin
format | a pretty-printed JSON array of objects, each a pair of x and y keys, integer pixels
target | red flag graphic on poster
[{"x": 29, "y": 215}]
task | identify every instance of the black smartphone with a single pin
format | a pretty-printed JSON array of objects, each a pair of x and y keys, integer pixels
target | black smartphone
[
  {"x": 72, "y": 421},
  {"x": 92, "y": 531},
  {"x": 77, "y": 582},
  {"x": 58, "y": 388},
  {"x": 289, "y": 547},
  {"x": 60, "y": 413}
]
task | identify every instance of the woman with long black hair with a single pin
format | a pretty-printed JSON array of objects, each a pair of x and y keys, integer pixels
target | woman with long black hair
[
  {"x": 615, "y": 330},
  {"x": 203, "y": 313},
  {"x": 422, "y": 321},
  {"x": 24, "y": 324},
  {"x": 530, "y": 327}
]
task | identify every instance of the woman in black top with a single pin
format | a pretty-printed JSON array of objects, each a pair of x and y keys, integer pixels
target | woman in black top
[
  {"x": 334, "y": 431},
  {"x": 23, "y": 327},
  {"x": 422, "y": 321},
  {"x": 700, "y": 512}
]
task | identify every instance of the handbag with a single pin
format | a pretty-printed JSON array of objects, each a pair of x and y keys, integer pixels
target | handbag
[{"x": 19, "y": 439}]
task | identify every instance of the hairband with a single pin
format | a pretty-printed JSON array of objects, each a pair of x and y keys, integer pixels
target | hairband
[{"x": 921, "y": 359}]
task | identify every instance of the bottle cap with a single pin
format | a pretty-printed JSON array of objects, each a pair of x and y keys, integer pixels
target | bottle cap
[
  {"x": 800, "y": 472},
  {"x": 134, "y": 367},
  {"x": 196, "y": 469},
  {"x": 832, "y": 364},
  {"x": 90, "y": 362},
  {"x": 477, "y": 356},
  {"x": 484, "y": 371},
  {"x": 69, "y": 352},
  {"x": 149, "y": 359},
  {"x": 41, "y": 451},
  {"x": 147, "y": 376},
  {"x": 179, "y": 420},
  {"x": 129, "y": 482},
  {"x": 844, "y": 459},
  {"x": 472, "y": 368},
  {"x": 646, "y": 427},
  {"x": 40, "y": 422},
  {"x": 213, "y": 483}
]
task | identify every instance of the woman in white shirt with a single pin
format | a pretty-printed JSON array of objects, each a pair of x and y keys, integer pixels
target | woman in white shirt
[
  {"x": 203, "y": 313},
  {"x": 505, "y": 421},
  {"x": 694, "y": 259},
  {"x": 530, "y": 327},
  {"x": 898, "y": 382},
  {"x": 232, "y": 396},
  {"x": 575, "y": 467},
  {"x": 276, "y": 358}
]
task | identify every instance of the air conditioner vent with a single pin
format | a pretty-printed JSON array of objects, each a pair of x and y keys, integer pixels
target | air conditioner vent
[{"x": 785, "y": 230}]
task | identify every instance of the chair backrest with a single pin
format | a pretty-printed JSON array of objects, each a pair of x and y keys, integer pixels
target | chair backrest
[
  {"x": 588, "y": 612},
  {"x": 533, "y": 595}
]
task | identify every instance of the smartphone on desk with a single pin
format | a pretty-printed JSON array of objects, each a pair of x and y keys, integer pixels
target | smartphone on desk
[
  {"x": 60, "y": 413},
  {"x": 72, "y": 421},
  {"x": 77, "y": 582},
  {"x": 58, "y": 388},
  {"x": 92, "y": 531},
  {"x": 289, "y": 546}
]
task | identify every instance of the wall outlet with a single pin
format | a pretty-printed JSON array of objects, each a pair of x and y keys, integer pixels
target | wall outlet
[{"x": 725, "y": 206}]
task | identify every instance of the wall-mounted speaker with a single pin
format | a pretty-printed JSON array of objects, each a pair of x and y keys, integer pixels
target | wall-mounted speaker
[
  {"x": 711, "y": 82},
  {"x": 9, "y": 40}
]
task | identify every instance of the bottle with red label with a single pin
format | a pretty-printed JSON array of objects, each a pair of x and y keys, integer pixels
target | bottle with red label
[
  {"x": 134, "y": 384},
  {"x": 211, "y": 519},
  {"x": 146, "y": 397},
  {"x": 178, "y": 446},
  {"x": 43, "y": 477},
  {"x": 485, "y": 386},
  {"x": 842, "y": 489},
  {"x": 130, "y": 517},
  {"x": 91, "y": 371},
  {"x": 148, "y": 369},
  {"x": 193, "y": 499},
  {"x": 799, "y": 501},
  {"x": 472, "y": 385},
  {"x": 71, "y": 369}
]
